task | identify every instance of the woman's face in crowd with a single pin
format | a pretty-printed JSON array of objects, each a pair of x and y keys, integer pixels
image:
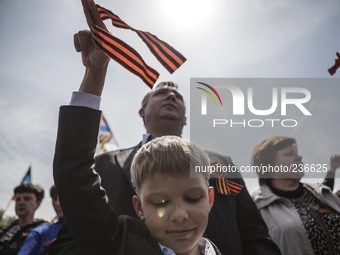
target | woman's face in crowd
[
  {"x": 57, "y": 207},
  {"x": 288, "y": 163}
]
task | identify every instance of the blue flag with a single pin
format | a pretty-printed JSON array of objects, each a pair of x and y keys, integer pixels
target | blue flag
[{"x": 27, "y": 178}]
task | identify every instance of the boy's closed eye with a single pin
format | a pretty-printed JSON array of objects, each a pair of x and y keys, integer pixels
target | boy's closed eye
[
  {"x": 194, "y": 200},
  {"x": 160, "y": 204}
]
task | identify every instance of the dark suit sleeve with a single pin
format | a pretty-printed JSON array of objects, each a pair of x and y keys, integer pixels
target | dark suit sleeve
[{"x": 88, "y": 214}]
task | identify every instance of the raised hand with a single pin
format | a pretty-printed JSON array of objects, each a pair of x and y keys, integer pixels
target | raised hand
[
  {"x": 335, "y": 162},
  {"x": 92, "y": 57}
]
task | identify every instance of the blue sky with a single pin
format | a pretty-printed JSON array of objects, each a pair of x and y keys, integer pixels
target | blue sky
[{"x": 39, "y": 67}]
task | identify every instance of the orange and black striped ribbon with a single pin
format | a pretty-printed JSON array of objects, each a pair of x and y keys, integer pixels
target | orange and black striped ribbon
[
  {"x": 224, "y": 186},
  {"x": 128, "y": 57},
  {"x": 333, "y": 69}
]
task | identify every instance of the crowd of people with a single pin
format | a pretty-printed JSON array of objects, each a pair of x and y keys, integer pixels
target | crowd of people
[
  {"x": 295, "y": 213},
  {"x": 301, "y": 218},
  {"x": 28, "y": 235},
  {"x": 142, "y": 200}
]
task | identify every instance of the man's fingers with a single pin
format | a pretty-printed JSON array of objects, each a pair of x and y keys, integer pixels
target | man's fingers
[
  {"x": 97, "y": 20},
  {"x": 335, "y": 160},
  {"x": 76, "y": 42},
  {"x": 90, "y": 11},
  {"x": 86, "y": 12},
  {"x": 81, "y": 42}
]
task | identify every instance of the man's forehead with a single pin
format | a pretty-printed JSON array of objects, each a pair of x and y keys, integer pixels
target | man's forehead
[{"x": 168, "y": 88}]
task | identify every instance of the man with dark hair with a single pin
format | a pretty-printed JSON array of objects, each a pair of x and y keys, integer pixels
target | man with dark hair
[
  {"x": 162, "y": 85},
  {"x": 27, "y": 200},
  {"x": 41, "y": 237},
  {"x": 235, "y": 224},
  {"x": 30, "y": 188}
]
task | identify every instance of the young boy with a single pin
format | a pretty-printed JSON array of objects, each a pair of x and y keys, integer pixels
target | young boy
[
  {"x": 173, "y": 206},
  {"x": 28, "y": 198},
  {"x": 40, "y": 237}
]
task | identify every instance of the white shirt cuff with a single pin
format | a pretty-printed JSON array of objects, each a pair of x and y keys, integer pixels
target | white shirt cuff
[{"x": 85, "y": 99}]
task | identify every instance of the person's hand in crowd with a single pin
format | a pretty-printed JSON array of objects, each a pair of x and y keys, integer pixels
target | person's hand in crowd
[
  {"x": 334, "y": 163},
  {"x": 95, "y": 61},
  {"x": 92, "y": 57}
]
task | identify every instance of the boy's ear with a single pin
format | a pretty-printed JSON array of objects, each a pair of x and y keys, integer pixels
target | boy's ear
[
  {"x": 137, "y": 204},
  {"x": 211, "y": 195}
]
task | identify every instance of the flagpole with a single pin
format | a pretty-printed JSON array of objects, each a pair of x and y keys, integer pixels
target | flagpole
[
  {"x": 27, "y": 178},
  {"x": 7, "y": 206}
]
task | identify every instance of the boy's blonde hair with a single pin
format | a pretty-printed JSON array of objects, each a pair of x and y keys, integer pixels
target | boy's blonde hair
[{"x": 166, "y": 155}]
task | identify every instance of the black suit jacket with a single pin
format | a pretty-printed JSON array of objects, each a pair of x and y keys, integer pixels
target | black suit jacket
[
  {"x": 114, "y": 169},
  {"x": 235, "y": 225}
]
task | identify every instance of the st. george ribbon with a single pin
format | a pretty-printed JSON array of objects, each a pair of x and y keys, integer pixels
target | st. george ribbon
[
  {"x": 332, "y": 70},
  {"x": 127, "y": 56}
]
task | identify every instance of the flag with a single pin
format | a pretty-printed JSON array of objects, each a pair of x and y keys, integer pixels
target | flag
[
  {"x": 333, "y": 69},
  {"x": 127, "y": 56},
  {"x": 27, "y": 178},
  {"x": 106, "y": 140}
]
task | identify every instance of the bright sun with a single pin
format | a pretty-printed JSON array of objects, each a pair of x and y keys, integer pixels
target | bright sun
[{"x": 188, "y": 14}]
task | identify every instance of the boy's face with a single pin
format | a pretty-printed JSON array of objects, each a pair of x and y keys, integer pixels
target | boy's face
[
  {"x": 175, "y": 209},
  {"x": 26, "y": 204}
]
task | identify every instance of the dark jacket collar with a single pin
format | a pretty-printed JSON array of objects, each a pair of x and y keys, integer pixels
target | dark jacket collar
[{"x": 124, "y": 160}]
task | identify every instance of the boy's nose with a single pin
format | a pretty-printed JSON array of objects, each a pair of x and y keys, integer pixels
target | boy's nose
[
  {"x": 179, "y": 214},
  {"x": 20, "y": 201}
]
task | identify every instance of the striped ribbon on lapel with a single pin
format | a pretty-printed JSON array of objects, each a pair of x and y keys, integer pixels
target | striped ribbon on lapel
[
  {"x": 333, "y": 69},
  {"x": 127, "y": 56},
  {"x": 223, "y": 185}
]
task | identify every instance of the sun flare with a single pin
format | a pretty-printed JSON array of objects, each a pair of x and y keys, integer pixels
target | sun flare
[{"x": 188, "y": 14}]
